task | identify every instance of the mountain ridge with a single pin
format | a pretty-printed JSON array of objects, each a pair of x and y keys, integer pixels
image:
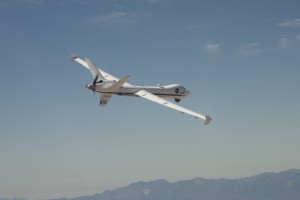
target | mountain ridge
[
  {"x": 269, "y": 185},
  {"x": 283, "y": 185}
]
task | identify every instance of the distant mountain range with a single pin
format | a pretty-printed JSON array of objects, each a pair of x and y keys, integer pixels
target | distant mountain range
[{"x": 267, "y": 186}]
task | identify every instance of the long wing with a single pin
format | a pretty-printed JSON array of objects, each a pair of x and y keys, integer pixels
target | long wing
[
  {"x": 156, "y": 99},
  {"x": 106, "y": 75}
]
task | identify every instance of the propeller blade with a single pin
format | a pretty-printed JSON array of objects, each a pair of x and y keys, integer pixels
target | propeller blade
[{"x": 95, "y": 80}]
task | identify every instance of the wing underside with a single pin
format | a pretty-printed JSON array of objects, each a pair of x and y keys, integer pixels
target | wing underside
[{"x": 151, "y": 97}]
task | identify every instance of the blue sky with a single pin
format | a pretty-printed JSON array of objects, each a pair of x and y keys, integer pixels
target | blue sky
[{"x": 239, "y": 59}]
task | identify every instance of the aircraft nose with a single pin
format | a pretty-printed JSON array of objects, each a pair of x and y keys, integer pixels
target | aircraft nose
[{"x": 90, "y": 86}]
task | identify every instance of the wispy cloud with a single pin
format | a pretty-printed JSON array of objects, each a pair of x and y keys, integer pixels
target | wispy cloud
[
  {"x": 117, "y": 18},
  {"x": 11, "y": 3},
  {"x": 290, "y": 23},
  {"x": 8, "y": 3},
  {"x": 288, "y": 41},
  {"x": 252, "y": 49},
  {"x": 212, "y": 49},
  {"x": 111, "y": 18},
  {"x": 252, "y": 45},
  {"x": 284, "y": 42},
  {"x": 152, "y": 1},
  {"x": 298, "y": 38}
]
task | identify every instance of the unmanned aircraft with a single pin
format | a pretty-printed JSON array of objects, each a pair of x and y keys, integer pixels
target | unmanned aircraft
[{"x": 109, "y": 85}]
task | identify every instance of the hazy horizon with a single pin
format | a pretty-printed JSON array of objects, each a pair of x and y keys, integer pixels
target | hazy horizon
[{"x": 140, "y": 181}]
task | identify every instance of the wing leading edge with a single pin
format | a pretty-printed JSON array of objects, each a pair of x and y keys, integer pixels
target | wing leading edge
[{"x": 151, "y": 97}]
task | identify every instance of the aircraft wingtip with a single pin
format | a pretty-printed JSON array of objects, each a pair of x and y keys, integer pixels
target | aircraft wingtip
[
  {"x": 73, "y": 57},
  {"x": 207, "y": 120}
]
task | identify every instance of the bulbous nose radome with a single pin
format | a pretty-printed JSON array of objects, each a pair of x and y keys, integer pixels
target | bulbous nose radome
[
  {"x": 90, "y": 87},
  {"x": 185, "y": 91}
]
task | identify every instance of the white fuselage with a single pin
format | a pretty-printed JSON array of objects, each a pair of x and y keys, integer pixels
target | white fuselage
[{"x": 169, "y": 91}]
